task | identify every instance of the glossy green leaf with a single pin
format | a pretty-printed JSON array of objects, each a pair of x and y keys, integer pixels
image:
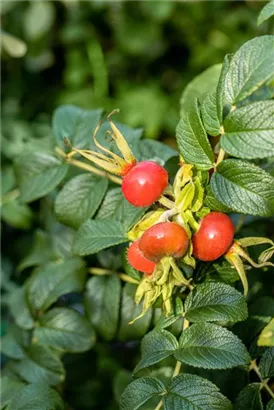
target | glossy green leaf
[
  {"x": 19, "y": 308},
  {"x": 53, "y": 280},
  {"x": 140, "y": 391},
  {"x": 102, "y": 303},
  {"x": 249, "y": 398},
  {"x": 244, "y": 187},
  {"x": 38, "y": 173},
  {"x": 192, "y": 139},
  {"x": 79, "y": 199},
  {"x": 213, "y": 302},
  {"x": 36, "y": 396},
  {"x": 156, "y": 346},
  {"x": 250, "y": 67},
  {"x": 211, "y": 347},
  {"x": 266, "y": 366},
  {"x": 266, "y": 12},
  {"x": 66, "y": 330},
  {"x": 75, "y": 124},
  {"x": 9, "y": 388},
  {"x": 93, "y": 236},
  {"x": 191, "y": 392},
  {"x": 210, "y": 114},
  {"x": 249, "y": 131}
]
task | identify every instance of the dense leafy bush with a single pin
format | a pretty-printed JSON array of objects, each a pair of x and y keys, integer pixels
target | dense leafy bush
[{"x": 87, "y": 329}]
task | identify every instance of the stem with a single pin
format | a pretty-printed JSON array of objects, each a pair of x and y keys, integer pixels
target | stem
[
  {"x": 221, "y": 156},
  {"x": 253, "y": 366},
  {"x": 94, "y": 170},
  {"x": 103, "y": 272}
]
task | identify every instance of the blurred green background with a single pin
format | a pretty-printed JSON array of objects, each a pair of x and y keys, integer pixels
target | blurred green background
[{"x": 137, "y": 56}]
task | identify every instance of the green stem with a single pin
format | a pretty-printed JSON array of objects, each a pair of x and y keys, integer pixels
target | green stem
[{"x": 253, "y": 366}]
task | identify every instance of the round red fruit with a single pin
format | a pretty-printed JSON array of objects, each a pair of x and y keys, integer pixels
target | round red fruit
[
  {"x": 214, "y": 236},
  {"x": 137, "y": 260},
  {"x": 164, "y": 239},
  {"x": 144, "y": 183}
]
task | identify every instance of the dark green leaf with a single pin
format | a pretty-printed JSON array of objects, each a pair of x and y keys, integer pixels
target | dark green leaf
[
  {"x": 156, "y": 346},
  {"x": 76, "y": 124},
  {"x": 36, "y": 397},
  {"x": 250, "y": 67},
  {"x": 93, "y": 236},
  {"x": 212, "y": 203},
  {"x": 211, "y": 347},
  {"x": 38, "y": 173},
  {"x": 190, "y": 392},
  {"x": 13, "y": 344},
  {"x": 102, "y": 302},
  {"x": 40, "y": 253},
  {"x": 19, "y": 308},
  {"x": 270, "y": 405},
  {"x": 9, "y": 388},
  {"x": 213, "y": 302},
  {"x": 210, "y": 115},
  {"x": 53, "y": 280},
  {"x": 266, "y": 12},
  {"x": 65, "y": 329},
  {"x": 249, "y": 398},
  {"x": 80, "y": 198},
  {"x": 192, "y": 139},
  {"x": 267, "y": 363},
  {"x": 244, "y": 187},
  {"x": 140, "y": 391},
  {"x": 150, "y": 150},
  {"x": 249, "y": 131}
]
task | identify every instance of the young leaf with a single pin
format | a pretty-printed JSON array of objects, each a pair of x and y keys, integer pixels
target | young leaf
[
  {"x": 249, "y": 131},
  {"x": 38, "y": 173},
  {"x": 76, "y": 124},
  {"x": 102, "y": 302},
  {"x": 213, "y": 302},
  {"x": 210, "y": 115},
  {"x": 9, "y": 388},
  {"x": 14, "y": 342},
  {"x": 19, "y": 308},
  {"x": 66, "y": 330},
  {"x": 36, "y": 396},
  {"x": 250, "y": 67},
  {"x": 266, "y": 12},
  {"x": 191, "y": 392},
  {"x": 79, "y": 199},
  {"x": 40, "y": 365},
  {"x": 53, "y": 280},
  {"x": 93, "y": 236},
  {"x": 116, "y": 207},
  {"x": 156, "y": 346},
  {"x": 266, "y": 366},
  {"x": 140, "y": 391},
  {"x": 211, "y": 347},
  {"x": 249, "y": 398},
  {"x": 244, "y": 187},
  {"x": 192, "y": 139}
]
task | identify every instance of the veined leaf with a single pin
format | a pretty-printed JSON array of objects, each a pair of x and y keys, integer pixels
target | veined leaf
[
  {"x": 14, "y": 342},
  {"x": 140, "y": 391},
  {"x": 266, "y": 366},
  {"x": 9, "y": 388},
  {"x": 266, "y": 12},
  {"x": 19, "y": 308},
  {"x": 249, "y": 398},
  {"x": 210, "y": 115}
]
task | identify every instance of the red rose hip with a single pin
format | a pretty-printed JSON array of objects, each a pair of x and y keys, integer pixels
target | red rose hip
[
  {"x": 214, "y": 236},
  {"x": 137, "y": 260},
  {"x": 164, "y": 239},
  {"x": 144, "y": 183}
]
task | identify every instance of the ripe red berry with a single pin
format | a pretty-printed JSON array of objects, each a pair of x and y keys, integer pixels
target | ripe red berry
[
  {"x": 164, "y": 239},
  {"x": 137, "y": 260},
  {"x": 144, "y": 183},
  {"x": 214, "y": 236}
]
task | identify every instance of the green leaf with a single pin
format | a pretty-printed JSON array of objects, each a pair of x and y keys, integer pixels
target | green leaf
[
  {"x": 116, "y": 207},
  {"x": 129, "y": 311},
  {"x": 211, "y": 347},
  {"x": 266, "y": 366},
  {"x": 36, "y": 397},
  {"x": 192, "y": 139},
  {"x": 93, "y": 236},
  {"x": 199, "y": 86},
  {"x": 13, "y": 344},
  {"x": 156, "y": 346},
  {"x": 250, "y": 67},
  {"x": 249, "y": 398},
  {"x": 40, "y": 365},
  {"x": 16, "y": 214},
  {"x": 191, "y": 392},
  {"x": 79, "y": 199},
  {"x": 266, "y": 12},
  {"x": 213, "y": 302},
  {"x": 76, "y": 124},
  {"x": 53, "y": 280},
  {"x": 102, "y": 303},
  {"x": 38, "y": 19},
  {"x": 270, "y": 405},
  {"x": 222, "y": 271},
  {"x": 210, "y": 115},
  {"x": 150, "y": 150},
  {"x": 40, "y": 253},
  {"x": 19, "y": 308},
  {"x": 266, "y": 337},
  {"x": 38, "y": 174},
  {"x": 66, "y": 330},
  {"x": 9, "y": 388},
  {"x": 243, "y": 187},
  {"x": 220, "y": 96},
  {"x": 213, "y": 203},
  {"x": 140, "y": 391},
  {"x": 249, "y": 131}
]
